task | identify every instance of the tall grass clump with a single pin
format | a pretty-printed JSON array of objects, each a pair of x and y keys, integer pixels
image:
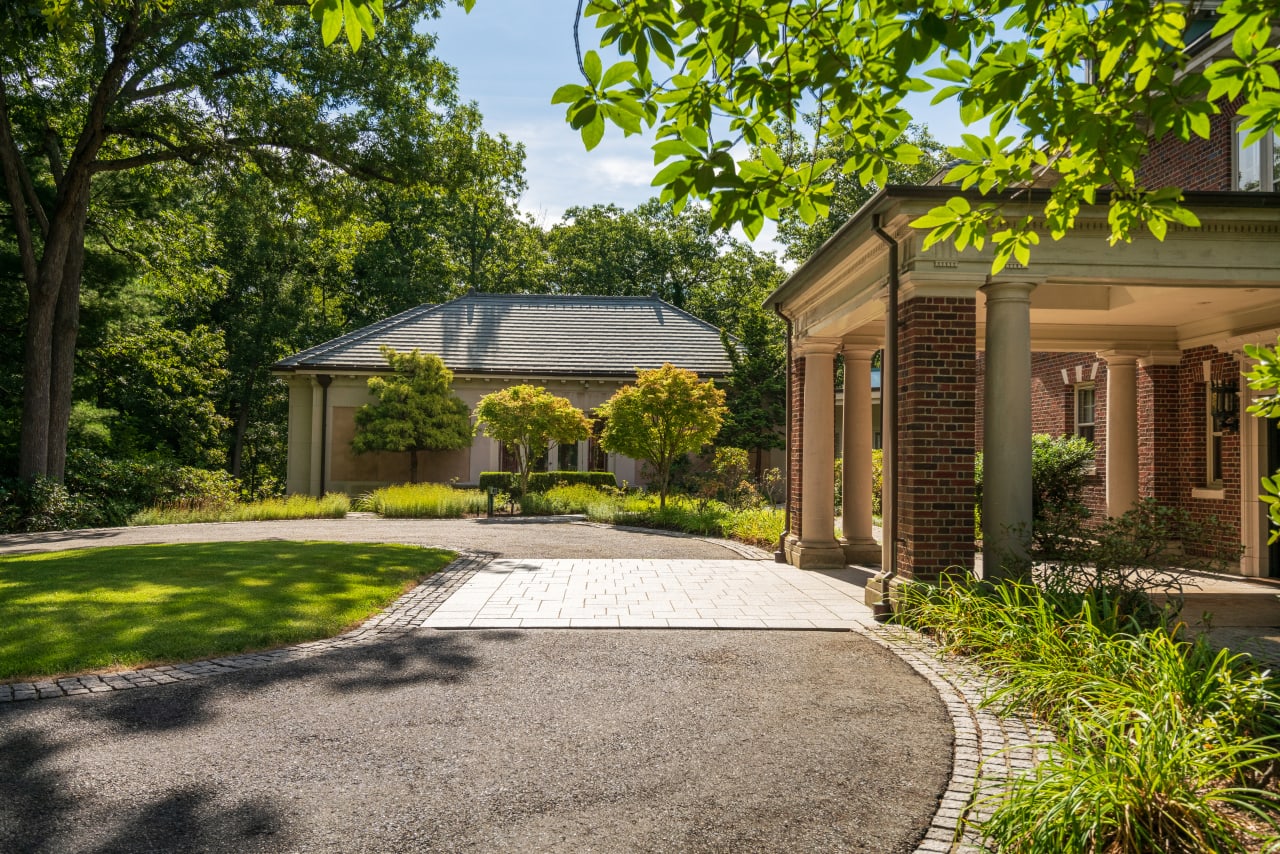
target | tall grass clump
[
  {"x": 1163, "y": 744},
  {"x": 424, "y": 501},
  {"x": 758, "y": 526},
  {"x": 333, "y": 505}
]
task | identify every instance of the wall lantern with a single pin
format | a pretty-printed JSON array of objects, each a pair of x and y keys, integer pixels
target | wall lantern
[{"x": 1226, "y": 406}]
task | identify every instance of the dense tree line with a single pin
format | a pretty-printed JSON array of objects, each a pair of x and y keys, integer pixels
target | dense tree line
[{"x": 250, "y": 193}]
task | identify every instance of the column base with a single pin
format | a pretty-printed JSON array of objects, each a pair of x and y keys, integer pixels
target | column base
[
  {"x": 883, "y": 593},
  {"x": 862, "y": 551},
  {"x": 804, "y": 555}
]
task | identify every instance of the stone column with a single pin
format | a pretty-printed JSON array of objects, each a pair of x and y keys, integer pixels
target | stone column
[
  {"x": 1006, "y": 412},
  {"x": 1122, "y": 430},
  {"x": 818, "y": 546},
  {"x": 859, "y": 546}
]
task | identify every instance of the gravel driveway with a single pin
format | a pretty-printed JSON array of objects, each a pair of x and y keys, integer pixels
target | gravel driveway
[{"x": 507, "y": 537}]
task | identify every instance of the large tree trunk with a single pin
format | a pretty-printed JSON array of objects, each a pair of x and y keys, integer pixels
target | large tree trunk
[
  {"x": 236, "y": 457},
  {"x": 66, "y": 327},
  {"x": 33, "y": 440}
]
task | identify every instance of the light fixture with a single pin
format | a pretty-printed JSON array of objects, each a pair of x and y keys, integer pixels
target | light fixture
[{"x": 1226, "y": 405}]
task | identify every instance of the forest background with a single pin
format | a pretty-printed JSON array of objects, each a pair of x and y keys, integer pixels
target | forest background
[{"x": 263, "y": 193}]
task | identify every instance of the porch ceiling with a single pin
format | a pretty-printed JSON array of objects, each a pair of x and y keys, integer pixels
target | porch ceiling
[{"x": 1198, "y": 286}]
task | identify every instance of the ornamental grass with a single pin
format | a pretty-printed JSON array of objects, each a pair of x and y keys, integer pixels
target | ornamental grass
[
  {"x": 333, "y": 505},
  {"x": 424, "y": 501},
  {"x": 1163, "y": 744}
]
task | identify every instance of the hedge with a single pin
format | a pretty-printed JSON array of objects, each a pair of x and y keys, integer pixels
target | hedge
[{"x": 541, "y": 481}]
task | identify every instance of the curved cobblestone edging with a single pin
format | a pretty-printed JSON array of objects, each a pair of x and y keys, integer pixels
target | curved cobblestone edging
[
  {"x": 989, "y": 750},
  {"x": 402, "y": 616}
]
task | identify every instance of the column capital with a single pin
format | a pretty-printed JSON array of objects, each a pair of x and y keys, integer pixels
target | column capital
[
  {"x": 1018, "y": 290},
  {"x": 860, "y": 346},
  {"x": 817, "y": 347},
  {"x": 1120, "y": 357}
]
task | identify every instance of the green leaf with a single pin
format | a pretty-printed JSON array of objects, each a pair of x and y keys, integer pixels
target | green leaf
[
  {"x": 568, "y": 93},
  {"x": 618, "y": 73},
  {"x": 591, "y": 66},
  {"x": 593, "y": 132}
]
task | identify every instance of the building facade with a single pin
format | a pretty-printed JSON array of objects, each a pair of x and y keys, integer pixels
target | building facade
[
  {"x": 580, "y": 348},
  {"x": 1128, "y": 345}
]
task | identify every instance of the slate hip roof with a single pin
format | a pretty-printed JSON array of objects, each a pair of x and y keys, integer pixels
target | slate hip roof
[{"x": 522, "y": 334}]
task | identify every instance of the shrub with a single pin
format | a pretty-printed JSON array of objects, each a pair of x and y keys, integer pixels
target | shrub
[
  {"x": 759, "y": 526},
  {"x": 773, "y": 486},
  {"x": 39, "y": 505},
  {"x": 541, "y": 481},
  {"x": 503, "y": 481},
  {"x": 1129, "y": 558},
  {"x": 574, "y": 498},
  {"x": 424, "y": 501},
  {"x": 1060, "y": 468},
  {"x": 839, "y": 481}
]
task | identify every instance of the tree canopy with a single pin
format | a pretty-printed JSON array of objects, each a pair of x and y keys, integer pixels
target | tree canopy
[
  {"x": 1077, "y": 88},
  {"x": 665, "y": 415},
  {"x": 525, "y": 417},
  {"x": 416, "y": 410},
  {"x": 92, "y": 93}
]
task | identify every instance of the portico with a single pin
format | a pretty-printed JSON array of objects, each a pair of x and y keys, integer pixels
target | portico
[{"x": 1149, "y": 312}]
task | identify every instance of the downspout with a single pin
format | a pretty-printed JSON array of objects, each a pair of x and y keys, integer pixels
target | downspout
[
  {"x": 324, "y": 380},
  {"x": 889, "y": 389},
  {"x": 780, "y": 555}
]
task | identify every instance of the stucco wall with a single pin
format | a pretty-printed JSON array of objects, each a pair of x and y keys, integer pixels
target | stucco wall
[{"x": 347, "y": 472}]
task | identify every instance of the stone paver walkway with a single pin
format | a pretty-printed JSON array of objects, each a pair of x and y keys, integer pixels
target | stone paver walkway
[{"x": 676, "y": 594}]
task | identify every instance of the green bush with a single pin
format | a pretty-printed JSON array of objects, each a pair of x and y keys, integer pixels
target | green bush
[
  {"x": 40, "y": 505},
  {"x": 1060, "y": 467},
  {"x": 424, "y": 501},
  {"x": 1162, "y": 745},
  {"x": 541, "y": 481},
  {"x": 503, "y": 481},
  {"x": 114, "y": 490},
  {"x": 570, "y": 498},
  {"x": 877, "y": 482}
]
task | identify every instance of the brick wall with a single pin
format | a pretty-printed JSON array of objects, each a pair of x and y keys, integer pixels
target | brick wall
[
  {"x": 1190, "y": 458},
  {"x": 936, "y": 420},
  {"x": 796, "y": 475},
  {"x": 1200, "y": 164},
  {"x": 1159, "y": 405}
]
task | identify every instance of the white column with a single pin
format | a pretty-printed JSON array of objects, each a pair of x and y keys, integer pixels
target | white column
[
  {"x": 1006, "y": 444},
  {"x": 818, "y": 546},
  {"x": 859, "y": 546},
  {"x": 1122, "y": 430}
]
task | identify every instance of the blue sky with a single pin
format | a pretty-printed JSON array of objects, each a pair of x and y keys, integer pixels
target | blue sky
[{"x": 511, "y": 55}]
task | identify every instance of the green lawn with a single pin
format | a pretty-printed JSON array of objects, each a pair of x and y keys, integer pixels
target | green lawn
[{"x": 128, "y": 606}]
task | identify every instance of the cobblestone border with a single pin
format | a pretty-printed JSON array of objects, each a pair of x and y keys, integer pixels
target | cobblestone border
[
  {"x": 989, "y": 749},
  {"x": 402, "y": 616}
]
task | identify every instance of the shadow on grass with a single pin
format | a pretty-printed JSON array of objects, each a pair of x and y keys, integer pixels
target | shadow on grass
[{"x": 40, "y": 806}]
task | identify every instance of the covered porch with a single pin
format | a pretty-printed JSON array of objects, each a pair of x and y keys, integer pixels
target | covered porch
[{"x": 1156, "y": 325}]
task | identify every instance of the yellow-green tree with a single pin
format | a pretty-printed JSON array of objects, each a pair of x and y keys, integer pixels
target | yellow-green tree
[
  {"x": 664, "y": 416},
  {"x": 528, "y": 416},
  {"x": 416, "y": 410}
]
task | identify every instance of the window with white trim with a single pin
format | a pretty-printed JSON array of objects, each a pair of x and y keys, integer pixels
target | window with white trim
[
  {"x": 1257, "y": 165},
  {"x": 1213, "y": 441},
  {"x": 1086, "y": 410}
]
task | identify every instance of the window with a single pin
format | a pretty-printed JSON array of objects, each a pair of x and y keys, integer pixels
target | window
[
  {"x": 1085, "y": 411},
  {"x": 1257, "y": 165},
  {"x": 1213, "y": 443}
]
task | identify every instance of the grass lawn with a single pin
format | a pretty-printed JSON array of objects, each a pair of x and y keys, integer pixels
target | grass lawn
[{"x": 129, "y": 606}]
